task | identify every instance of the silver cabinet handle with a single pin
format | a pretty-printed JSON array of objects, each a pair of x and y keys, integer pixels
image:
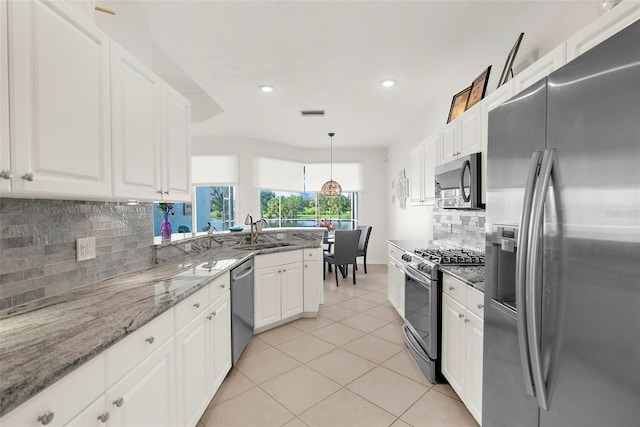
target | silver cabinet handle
[
  {"x": 480, "y": 306},
  {"x": 305, "y": 266},
  {"x": 29, "y": 176},
  {"x": 466, "y": 320},
  {"x": 196, "y": 305},
  {"x": 6, "y": 174},
  {"x": 222, "y": 286},
  {"x": 159, "y": 191},
  {"x": 213, "y": 313},
  {"x": 166, "y": 192},
  {"x": 279, "y": 271},
  {"x": 150, "y": 340},
  {"x": 460, "y": 315},
  {"x": 451, "y": 288},
  {"x": 46, "y": 418},
  {"x": 103, "y": 417},
  {"x": 284, "y": 271},
  {"x": 210, "y": 317},
  {"x": 118, "y": 402}
]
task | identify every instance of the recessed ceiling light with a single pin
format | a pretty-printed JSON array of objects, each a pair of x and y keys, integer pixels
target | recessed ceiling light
[
  {"x": 387, "y": 83},
  {"x": 267, "y": 88}
]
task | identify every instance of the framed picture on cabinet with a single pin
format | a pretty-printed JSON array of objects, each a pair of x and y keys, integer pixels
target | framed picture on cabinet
[
  {"x": 459, "y": 103},
  {"x": 478, "y": 88},
  {"x": 504, "y": 77},
  {"x": 186, "y": 209}
]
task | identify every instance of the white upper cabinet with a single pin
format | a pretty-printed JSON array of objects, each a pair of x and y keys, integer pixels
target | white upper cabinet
[
  {"x": 59, "y": 103},
  {"x": 462, "y": 136},
  {"x": 424, "y": 158},
  {"x": 176, "y": 152},
  {"x": 135, "y": 120},
  {"x": 541, "y": 68},
  {"x": 607, "y": 25},
  {"x": 5, "y": 150}
]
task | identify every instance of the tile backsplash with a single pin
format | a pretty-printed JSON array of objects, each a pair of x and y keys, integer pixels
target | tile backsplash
[
  {"x": 460, "y": 227},
  {"x": 38, "y": 245}
]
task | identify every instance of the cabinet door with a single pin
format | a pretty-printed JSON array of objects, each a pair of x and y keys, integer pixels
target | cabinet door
[
  {"x": 136, "y": 127},
  {"x": 147, "y": 392},
  {"x": 5, "y": 153},
  {"x": 430, "y": 163},
  {"x": 473, "y": 386},
  {"x": 267, "y": 296},
  {"x": 453, "y": 340},
  {"x": 176, "y": 158},
  {"x": 416, "y": 180},
  {"x": 541, "y": 68},
  {"x": 449, "y": 142},
  {"x": 470, "y": 139},
  {"x": 604, "y": 27},
  {"x": 220, "y": 340},
  {"x": 292, "y": 290},
  {"x": 95, "y": 415},
  {"x": 59, "y": 68},
  {"x": 392, "y": 293},
  {"x": 193, "y": 370}
]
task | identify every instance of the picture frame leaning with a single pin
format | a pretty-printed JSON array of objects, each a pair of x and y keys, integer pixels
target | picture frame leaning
[
  {"x": 459, "y": 103},
  {"x": 478, "y": 88},
  {"x": 508, "y": 65}
]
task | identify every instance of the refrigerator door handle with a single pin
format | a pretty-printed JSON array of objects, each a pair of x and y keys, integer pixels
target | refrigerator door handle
[
  {"x": 521, "y": 271},
  {"x": 534, "y": 281}
]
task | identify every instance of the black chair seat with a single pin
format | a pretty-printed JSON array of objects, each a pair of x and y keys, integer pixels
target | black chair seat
[{"x": 345, "y": 248}]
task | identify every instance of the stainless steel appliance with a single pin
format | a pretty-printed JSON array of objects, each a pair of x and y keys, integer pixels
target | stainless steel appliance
[
  {"x": 423, "y": 301},
  {"x": 241, "y": 308},
  {"x": 562, "y": 300},
  {"x": 458, "y": 183}
]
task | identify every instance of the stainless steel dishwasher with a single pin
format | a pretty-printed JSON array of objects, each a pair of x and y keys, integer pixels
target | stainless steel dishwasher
[{"x": 241, "y": 308}]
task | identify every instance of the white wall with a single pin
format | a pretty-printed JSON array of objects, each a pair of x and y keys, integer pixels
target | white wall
[
  {"x": 372, "y": 200},
  {"x": 416, "y": 222}
]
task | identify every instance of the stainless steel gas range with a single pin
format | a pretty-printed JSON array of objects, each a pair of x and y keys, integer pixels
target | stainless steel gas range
[{"x": 423, "y": 301}]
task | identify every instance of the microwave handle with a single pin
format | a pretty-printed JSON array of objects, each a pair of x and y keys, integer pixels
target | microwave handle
[
  {"x": 465, "y": 165},
  {"x": 521, "y": 271}
]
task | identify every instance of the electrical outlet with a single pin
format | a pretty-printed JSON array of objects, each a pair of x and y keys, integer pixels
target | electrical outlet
[
  {"x": 86, "y": 248},
  {"x": 279, "y": 236},
  {"x": 450, "y": 228},
  {"x": 187, "y": 247}
]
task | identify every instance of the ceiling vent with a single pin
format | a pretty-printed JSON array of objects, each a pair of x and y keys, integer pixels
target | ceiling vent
[{"x": 312, "y": 113}]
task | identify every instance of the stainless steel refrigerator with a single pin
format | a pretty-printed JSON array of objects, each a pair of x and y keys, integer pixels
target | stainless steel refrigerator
[{"x": 562, "y": 320}]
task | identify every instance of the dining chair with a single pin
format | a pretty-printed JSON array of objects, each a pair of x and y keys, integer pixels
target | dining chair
[
  {"x": 345, "y": 248},
  {"x": 363, "y": 244}
]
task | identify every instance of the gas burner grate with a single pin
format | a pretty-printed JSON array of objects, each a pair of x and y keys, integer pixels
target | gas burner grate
[{"x": 452, "y": 256}]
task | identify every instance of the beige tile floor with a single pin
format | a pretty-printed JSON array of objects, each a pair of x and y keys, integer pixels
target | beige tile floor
[{"x": 348, "y": 367}]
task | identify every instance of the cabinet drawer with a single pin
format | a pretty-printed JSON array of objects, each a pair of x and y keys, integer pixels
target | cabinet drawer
[
  {"x": 64, "y": 399},
  {"x": 219, "y": 286},
  {"x": 191, "y": 307},
  {"x": 454, "y": 288},
  {"x": 127, "y": 354},
  {"x": 395, "y": 252},
  {"x": 278, "y": 258},
  {"x": 312, "y": 254},
  {"x": 475, "y": 302}
]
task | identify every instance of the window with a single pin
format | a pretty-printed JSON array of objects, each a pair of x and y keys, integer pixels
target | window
[
  {"x": 215, "y": 205},
  {"x": 285, "y": 209}
]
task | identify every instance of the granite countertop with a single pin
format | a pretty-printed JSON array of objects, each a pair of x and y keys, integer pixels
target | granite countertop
[
  {"x": 411, "y": 245},
  {"x": 472, "y": 275},
  {"x": 46, "y": 339}
]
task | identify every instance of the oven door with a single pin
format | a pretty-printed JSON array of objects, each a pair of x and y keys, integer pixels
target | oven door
[{"x": 421, "y": 311}]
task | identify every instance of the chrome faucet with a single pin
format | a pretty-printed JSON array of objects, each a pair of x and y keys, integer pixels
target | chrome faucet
[{"x": 257, "y": 226}]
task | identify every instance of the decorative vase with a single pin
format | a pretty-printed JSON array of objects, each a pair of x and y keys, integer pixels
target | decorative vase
[{"x": 165, "y": 228}]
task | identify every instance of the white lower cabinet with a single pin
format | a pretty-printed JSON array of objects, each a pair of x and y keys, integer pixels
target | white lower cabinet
[
  {"x": 278, "y": 288},
  {"x": 95, "y": 415},
  {"x": 147, "y": 392},
  {"x": 462, "y": 342},
  {"x": 203, "y": 354},
  {"x": 313, "y": 283},
  {"x": 395, "y": 279}
]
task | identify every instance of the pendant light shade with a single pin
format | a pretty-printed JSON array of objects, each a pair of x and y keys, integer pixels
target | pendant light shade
[{"x": 331, "y": 188}]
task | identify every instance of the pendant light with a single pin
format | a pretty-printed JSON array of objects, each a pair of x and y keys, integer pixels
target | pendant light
[{"x": 331, "y": 188}]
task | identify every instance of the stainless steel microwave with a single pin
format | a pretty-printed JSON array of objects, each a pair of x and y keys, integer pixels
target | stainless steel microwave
[{"x": 458, "y": 183}]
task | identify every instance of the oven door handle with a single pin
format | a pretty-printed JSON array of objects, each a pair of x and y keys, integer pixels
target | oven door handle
[
  {"x": 422, "y": 281},
  {"x": 409, "y": 340}
]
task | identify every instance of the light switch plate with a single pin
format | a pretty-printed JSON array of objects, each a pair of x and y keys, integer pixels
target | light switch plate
[{"x": 86, "y": 248}]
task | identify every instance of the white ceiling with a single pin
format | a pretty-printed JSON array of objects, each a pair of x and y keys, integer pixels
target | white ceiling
[{"x": 331, "y": 55}]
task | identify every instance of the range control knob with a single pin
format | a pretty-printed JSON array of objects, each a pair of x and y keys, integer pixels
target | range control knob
[{"x": 407, "y": 257}]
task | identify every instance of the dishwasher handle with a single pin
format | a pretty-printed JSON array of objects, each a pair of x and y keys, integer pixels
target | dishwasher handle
[{"x": 240, "y": 275}]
